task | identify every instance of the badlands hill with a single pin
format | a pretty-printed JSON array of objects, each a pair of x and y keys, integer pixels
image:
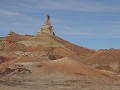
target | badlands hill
[
  {"x": 47, "y": 62},
  {"x": 105, "y": 60}
]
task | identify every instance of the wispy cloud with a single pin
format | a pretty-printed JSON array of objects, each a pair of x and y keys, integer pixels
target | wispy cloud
[
  {"x": 78, "y": 5},
  {"x": 100, "y": 30},
  {"x": 4, "y": 12},
  {"x": 70, "y": 5},
  {"x": 15, "y": 21}
]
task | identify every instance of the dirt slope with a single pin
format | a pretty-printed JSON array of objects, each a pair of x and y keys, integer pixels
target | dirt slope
[
  {"x": 78, "y": 49},
  {"x": 69, "y": 66}
]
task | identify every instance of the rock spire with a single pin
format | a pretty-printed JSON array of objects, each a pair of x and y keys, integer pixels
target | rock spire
[{"x": 46, "y": 28}]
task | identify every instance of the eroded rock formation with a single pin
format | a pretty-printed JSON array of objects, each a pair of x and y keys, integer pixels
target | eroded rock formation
[{"x": 46, "y": 28}]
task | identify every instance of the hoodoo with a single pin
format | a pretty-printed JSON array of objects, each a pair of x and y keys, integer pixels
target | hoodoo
[{"x": 46, "y": 28}]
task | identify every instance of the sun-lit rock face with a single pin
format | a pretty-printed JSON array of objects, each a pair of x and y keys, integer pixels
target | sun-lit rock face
[{"x": 46, "y": 28}]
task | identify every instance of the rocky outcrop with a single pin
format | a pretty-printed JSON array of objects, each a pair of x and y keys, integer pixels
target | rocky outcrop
[
  {"x": 11, "y": 46},
  {"x": 12, "y": 36}
]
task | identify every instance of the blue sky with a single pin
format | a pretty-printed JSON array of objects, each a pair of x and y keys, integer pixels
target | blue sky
[{"x": 90, "y": 23}]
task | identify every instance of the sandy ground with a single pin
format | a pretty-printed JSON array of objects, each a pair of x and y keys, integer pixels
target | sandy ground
[{"x": 69, "y": 84}]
